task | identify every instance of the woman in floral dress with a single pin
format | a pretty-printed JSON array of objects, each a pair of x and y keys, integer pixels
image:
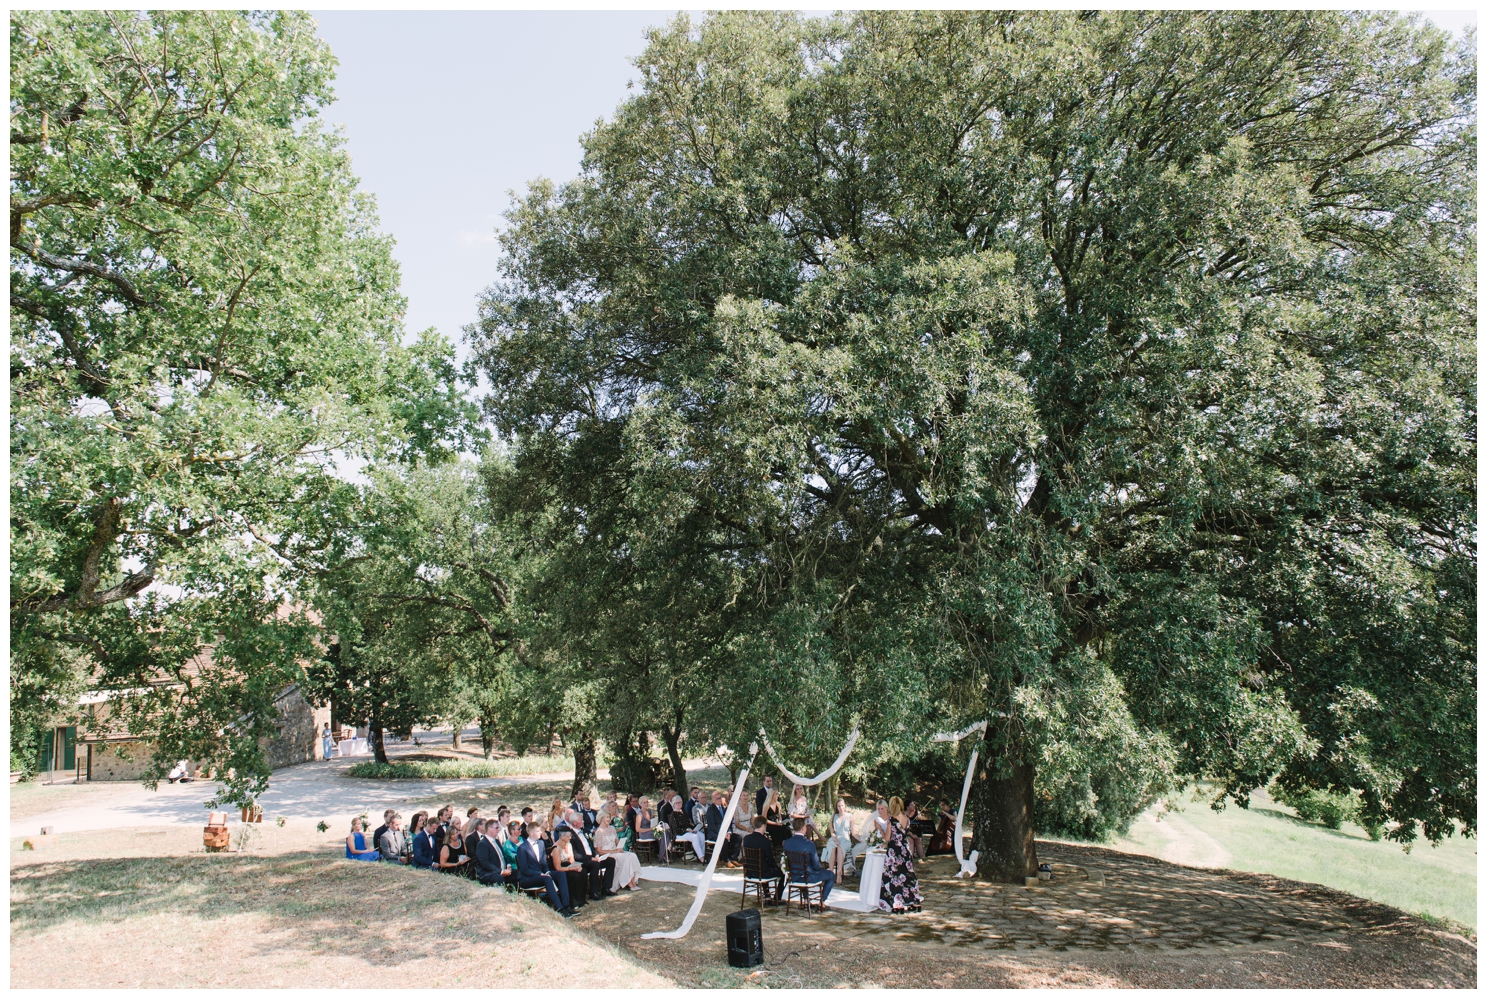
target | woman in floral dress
[{"x": 900, "y": 892}]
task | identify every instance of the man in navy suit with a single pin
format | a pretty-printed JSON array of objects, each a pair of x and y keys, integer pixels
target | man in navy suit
[
  {"x": 423, "y": 847},
  {"x": 533, "y": 870},
  {"x": 814, "y": 872},
  {"x": 490, "y": 865}
]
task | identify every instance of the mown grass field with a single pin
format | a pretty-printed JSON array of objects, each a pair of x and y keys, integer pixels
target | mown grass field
[{"x": 1436, "y": 882}]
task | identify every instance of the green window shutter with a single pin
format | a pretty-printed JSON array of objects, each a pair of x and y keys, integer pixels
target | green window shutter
[
  {"x": 69, "y": 748},
  {"x": 44, "y": 760}
]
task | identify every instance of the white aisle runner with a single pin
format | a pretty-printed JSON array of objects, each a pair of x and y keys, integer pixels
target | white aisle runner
[{"x": 840, "y": 898}]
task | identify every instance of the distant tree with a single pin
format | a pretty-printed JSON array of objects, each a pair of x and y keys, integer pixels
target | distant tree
[{"x": 205, "y": 326}]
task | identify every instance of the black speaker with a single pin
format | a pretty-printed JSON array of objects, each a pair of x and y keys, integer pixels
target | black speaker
[{"x": 745, "y": 939}]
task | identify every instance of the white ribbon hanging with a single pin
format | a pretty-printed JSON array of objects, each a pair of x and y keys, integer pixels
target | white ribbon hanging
[
  {"x": 712, "y": 864},
  {"x": 824, "y": 775},
  {"x": 967, "y": 867}
]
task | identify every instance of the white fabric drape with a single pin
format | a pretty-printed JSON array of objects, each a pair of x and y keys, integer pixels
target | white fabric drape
[
  {"x": 967, "y": 866},
  {"x": 821, "y": 777},
  {"x": 712, "y": 864}
]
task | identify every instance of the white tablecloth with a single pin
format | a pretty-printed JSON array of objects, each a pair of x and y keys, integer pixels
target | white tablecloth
[
  {"x": 351, "y": 747},
  {"x": 870, "y": 887}
]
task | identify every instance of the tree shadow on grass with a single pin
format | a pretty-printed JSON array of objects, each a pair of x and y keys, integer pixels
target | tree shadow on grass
[{"x": 317, "y": 904}]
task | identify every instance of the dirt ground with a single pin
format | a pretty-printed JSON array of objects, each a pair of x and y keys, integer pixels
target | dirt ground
[
  {"x": 1145, "y": 924},
  {"x": 145, "y": 907}
]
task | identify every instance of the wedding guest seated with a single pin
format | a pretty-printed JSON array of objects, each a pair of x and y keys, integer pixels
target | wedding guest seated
[
  {"x": 510, "y": 842},
  {"x": 180, "y": 772},
  {"x": 599, "y": 873},
  {"x": 770, "y": 869},
  {"x": 586, "y": 814},
  {"x": 393, "y": 843},
  {"x": 694, "y": 835},
  {"x": 563, "y": 861},
  {"x": 452, "y": 851},
  {"x": 534, "y": 871},
  {"x": 490, "y": 862},
  {"x": 424, "y": 851},
  {"x": 386, "y": 818},
  {"x": 356, "y": 844},
  {"x": 814, "y": 872},
  {"x": 721, "y": 838},
  {"x": 607, "y": 847}
]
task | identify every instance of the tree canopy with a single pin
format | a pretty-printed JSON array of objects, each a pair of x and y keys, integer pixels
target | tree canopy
[
  {"x": 1023, "y": 364},
  {"x": 205, "y": 328},
  {"x": 1109, "y": 376}
]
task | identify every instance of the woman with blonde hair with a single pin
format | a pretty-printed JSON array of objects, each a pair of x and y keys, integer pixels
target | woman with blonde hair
[
  {"x": 900, "y": 892},
  {"x": 839, "y": 846},
  {"x": 607, "y": 846},
  {"x": 801, "y": 809},
  {"x": 774, "y": 824}
]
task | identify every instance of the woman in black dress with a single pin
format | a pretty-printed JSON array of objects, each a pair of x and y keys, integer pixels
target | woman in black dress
[{"x": 900, "y": 892}]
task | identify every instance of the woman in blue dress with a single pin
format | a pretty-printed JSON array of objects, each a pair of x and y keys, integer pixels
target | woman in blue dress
[{"x": 356, "y": 844}]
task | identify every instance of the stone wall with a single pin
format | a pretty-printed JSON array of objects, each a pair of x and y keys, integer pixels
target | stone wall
[
  {"x": 298, "y": 741},
  {"x": 120, "y": 760},
  {"x": 299, "y": 727}
]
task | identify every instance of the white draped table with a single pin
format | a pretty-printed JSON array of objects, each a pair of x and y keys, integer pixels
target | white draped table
[{"x": 870, "y": 885}]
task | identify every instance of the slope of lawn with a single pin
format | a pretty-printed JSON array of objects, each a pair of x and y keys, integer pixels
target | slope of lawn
[{"x": 1438, "y": 882}]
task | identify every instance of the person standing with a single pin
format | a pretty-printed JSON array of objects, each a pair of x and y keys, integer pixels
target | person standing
[
  {"x": 762, "y": 795},
  {"x": 325, "y": 741},
  {"x": 900, "y": 892}
]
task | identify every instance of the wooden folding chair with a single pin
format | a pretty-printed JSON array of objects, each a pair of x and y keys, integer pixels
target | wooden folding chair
[
  {"x": 760, "y": 885},
  {"x": 797, "y": 869}
]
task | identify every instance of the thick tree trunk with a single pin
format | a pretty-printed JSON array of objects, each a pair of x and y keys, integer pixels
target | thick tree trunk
[
  {"x": 1003, "y": 831},
  {"x": 379, "y": 748},
  {"x": 454, "y": 743},
  {"x": 585, "y": 753},
  {"x": 673, "y": 737},
  {"x": 488, "y": 734}
]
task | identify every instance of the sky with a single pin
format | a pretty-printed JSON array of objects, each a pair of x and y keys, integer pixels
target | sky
[{"x": 445, "y": 113}]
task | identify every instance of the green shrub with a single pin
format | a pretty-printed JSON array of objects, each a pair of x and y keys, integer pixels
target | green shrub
[
  {"x": 447, "y": 769},
  {"x": 1323, "y": 807}
]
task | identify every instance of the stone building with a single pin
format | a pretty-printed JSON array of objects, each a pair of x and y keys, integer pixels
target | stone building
[{"x": 108, "y": 751}]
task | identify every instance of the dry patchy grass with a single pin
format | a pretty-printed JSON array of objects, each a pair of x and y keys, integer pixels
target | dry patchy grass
[{"x": 294, "y": 919}]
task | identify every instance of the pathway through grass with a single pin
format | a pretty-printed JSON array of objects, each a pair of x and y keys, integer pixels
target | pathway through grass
[{"x": 1437, "y": 882}]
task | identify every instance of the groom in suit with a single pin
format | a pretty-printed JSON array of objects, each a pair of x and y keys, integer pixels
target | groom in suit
[
  {"x": 533, "y": 870},
  {"x": 814, "y": 872}
]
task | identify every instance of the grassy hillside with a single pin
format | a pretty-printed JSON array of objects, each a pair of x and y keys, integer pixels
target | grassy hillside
[{"x": 1438, "y": 882}]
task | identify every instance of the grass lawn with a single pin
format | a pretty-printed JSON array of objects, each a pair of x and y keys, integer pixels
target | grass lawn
[
  {"x": 302, "y": 919},
  {"x": 1438, "y": 882}
]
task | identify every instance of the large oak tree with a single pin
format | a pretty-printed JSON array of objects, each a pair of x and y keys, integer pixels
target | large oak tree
[{"x": 1012, "y": 358}]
